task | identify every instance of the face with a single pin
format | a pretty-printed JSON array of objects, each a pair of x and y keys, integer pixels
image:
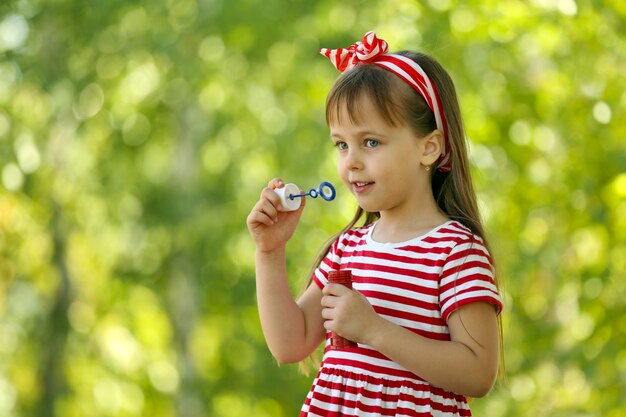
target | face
[{"x": 379, "y": 163}]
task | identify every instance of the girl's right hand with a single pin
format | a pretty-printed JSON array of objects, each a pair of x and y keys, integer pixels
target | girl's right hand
[{"x": 270, "y": 228}]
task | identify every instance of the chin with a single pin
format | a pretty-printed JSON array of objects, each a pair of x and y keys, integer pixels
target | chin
[{"x": 370, "y": 208}]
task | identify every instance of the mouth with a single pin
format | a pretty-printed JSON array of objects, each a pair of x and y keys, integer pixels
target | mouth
[{"x": 361, "y": 186}]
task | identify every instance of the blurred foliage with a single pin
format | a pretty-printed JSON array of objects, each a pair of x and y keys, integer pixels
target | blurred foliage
[{"x": 135, "y": 137}]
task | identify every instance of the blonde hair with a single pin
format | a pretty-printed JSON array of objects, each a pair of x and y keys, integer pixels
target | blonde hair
[{"x": 399, "y": 104}]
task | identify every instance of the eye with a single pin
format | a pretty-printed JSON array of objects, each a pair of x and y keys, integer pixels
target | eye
[
  {"x": 371, "y": 143},
  {"x": 341, "y": 145}
]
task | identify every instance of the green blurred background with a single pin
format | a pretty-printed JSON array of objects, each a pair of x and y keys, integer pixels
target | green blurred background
[{"x": 136, "y": 135}]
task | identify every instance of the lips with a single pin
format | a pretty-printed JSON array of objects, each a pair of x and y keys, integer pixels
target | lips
[{"x": 361, "y": 186}]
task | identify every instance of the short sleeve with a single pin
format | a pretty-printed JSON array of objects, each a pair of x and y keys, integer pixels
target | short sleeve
[
  {"x": 467, "y": 277},
  {"x": 330, "y": 262}
]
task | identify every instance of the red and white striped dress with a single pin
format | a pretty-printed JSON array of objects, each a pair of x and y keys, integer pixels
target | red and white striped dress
[{"x": 416, "y": 284}]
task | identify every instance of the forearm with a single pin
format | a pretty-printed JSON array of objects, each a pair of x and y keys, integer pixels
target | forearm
[
  {"x": 451, "y": 365},
  {"x": 282, "y": 319}
]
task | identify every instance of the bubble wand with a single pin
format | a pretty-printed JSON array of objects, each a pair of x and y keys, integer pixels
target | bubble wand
[{"x": 290, "y": 196}]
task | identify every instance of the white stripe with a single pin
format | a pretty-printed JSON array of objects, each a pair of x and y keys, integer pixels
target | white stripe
[
  {"x": 368, "y": 373},
  {"x": 416, "y": 248},
  {"x": 454, "y": 279},
  {"x": 410, "y": 324},
  {"x": 353, "y": 356},
  {"x": 404, "y": 308},
  {"x": 464, "y": 273},
  {"x": 454, "y": 236},
  {"x": 390, "y": 279},
  {"x": 474, "y": 294},
  {"x": 393, "y": 291},
  {"x": 411, "y": 266},
  {"x": 452, "y": 265},
  {"x": 458, "y": 298},
  {"x": 461, "y": 229},
  {"x": 351, "y": 238},
  {"x": 468, "y": 245},
  {"x": 411, "y": 251}
]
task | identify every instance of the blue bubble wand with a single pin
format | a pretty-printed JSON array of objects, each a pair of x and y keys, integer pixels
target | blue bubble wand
[{"x": 290, "y": 196}]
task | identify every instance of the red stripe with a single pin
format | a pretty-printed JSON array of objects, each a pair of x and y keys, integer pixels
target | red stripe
[
  {"x": 402, "y": 273},
  {"x": 491, "y": 300},
  {"x": 485, "y": 279},
  {"x": 411, "y": 284},
  {"x": 377, "y": 369},
  {"x": 483, "y": 271},
  {"x": 475, "y": 250},
  {"x": 414, "y": 249},
  {"x": 417, "y": 318},
  {"x": 415, "y": 253},
  {"x": 400, "y": 299}
]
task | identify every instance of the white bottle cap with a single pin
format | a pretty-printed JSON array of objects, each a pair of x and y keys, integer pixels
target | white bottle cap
[{"x": 287, "y": 203}]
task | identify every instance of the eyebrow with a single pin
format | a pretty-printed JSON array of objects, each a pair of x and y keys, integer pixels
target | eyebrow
[{"x": 359, "y": 133}]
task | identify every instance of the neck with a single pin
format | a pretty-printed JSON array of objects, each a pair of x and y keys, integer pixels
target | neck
[{"x": 404, "y": 223}]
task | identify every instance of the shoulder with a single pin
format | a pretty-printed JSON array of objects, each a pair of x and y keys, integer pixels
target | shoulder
[
  {"x": 461, "y": 242},
  {"x": 457, "y": 231},
  {"x": 360, "y": 231},
  {"x": 457, "y": 234},
  {"x": 353, "y": 236}
]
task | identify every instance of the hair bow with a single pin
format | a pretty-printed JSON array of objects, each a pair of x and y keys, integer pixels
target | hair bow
[{"x": 366, "y": 51}]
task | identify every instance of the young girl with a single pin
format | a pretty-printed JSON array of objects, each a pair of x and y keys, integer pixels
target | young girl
[{"x": 425, "y": 301}]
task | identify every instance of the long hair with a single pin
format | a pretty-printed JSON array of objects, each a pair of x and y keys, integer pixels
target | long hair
[{"x": 399, "y": 104}]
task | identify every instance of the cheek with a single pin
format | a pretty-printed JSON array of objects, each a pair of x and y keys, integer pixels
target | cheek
[
  {"x": 343, "y": 175},
  {"x": 341, "y": 167}
]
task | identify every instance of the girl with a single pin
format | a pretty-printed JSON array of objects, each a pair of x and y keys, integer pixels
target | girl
[{"x": 425, "y": 301}]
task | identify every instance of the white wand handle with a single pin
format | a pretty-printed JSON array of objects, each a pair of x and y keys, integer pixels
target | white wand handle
[{"x": 287, "y": 197}]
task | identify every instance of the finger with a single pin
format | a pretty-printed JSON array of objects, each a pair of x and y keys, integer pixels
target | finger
[
  {"x": 328, "y": 325},
  {"x": 270, "y": 196},
  {"x": 329, "y": 301},
  {"x": 257, "y": 217},
  {"x": 265, "y": 207},
  {"x": 275, "y": 183},
  {"x": 335, "y": 289},
  {"x": 327, "y": 313}
]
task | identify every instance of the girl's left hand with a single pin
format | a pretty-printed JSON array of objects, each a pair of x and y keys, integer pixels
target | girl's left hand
[{"x": 348, "y": 313}]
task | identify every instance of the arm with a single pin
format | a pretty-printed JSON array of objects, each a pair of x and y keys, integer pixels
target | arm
[
  {"x": 467, "y": 364},
  {"x": 292, "y": 330}
]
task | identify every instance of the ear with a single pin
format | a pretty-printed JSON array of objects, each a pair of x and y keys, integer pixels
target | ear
[{"x": 431, "y": 147}]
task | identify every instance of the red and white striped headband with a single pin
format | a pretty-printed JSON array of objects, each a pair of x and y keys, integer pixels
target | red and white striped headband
[{"x": 374, "y": 50}]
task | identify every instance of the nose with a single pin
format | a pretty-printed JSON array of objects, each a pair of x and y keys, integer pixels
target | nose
[{"x": 353, "y": 160}]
